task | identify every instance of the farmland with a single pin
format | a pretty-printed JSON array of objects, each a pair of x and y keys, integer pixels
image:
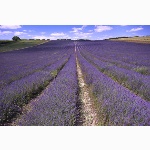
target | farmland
[
  {"x": 72, "y": 83},
  {"x": 144, "y": 40},
  {"x": 8, "y": 45}
]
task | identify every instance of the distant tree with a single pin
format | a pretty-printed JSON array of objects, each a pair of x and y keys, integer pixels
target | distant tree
[{"x": 16, "y": 38}]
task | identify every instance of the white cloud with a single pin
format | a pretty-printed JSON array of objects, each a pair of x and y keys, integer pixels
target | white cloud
[
  {"x": 5, "y": 32},
  {"x": 135, "y": 29},
  {"x": 77, "y": 29},
  {"x": 90, "y": 31},
  {"x": 102, "y": 28},
  {"x": 105, "y": 37},
  {"x": 42, "y": 32},
  {"x": 83, "y": 34},
  {"x": 41, "y": 37},
  {"x": 10, "y": 26},
  {"x": 57, "y": 34},
  {"x": 19, "y": 33},
  {"x": 30, "y": 30},
  {"x": 79, "y": 34},
  {"x": 54, "y": 37}
]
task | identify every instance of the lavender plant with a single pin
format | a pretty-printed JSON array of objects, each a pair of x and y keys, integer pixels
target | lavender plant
[
  {"x": 136, "y": 82},
  {"x": 19, "y": 92},
  {"x": 117, "y": 105},
  {"x": 15, "y": 95},
  {"x": 129, "y": 53},
  {"x": 18, "y": 64},
  {"x": 57, "y": 105}
]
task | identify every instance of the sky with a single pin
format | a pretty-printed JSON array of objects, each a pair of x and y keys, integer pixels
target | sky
[{"x": 52, "y": 32}]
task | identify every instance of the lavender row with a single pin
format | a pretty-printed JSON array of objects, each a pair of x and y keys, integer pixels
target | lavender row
[
  {"x": 16, "y": 74},
  {"x": 19, "y": 92},
  {"x": 144, "y": 70},
  {"x": 117, "y": 105},
  {"x": 56, "y": 106},
  {"x": 13, "y": 69},
  {"x": 17, "y": 65},
  {"x": 140, "y": 69},
  {"x": 136, "y": 82},
  {"x": 130, "y": 53}
]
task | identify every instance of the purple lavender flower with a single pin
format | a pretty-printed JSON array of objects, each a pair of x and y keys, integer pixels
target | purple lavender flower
[
  {"x": 117, "y": 105},
  {"x": 57, "y": 105}
]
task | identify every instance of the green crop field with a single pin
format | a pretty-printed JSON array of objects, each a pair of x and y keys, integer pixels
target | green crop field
[
  {"x": 6, "y": 45},
  {"x": 145, "y": 39}
]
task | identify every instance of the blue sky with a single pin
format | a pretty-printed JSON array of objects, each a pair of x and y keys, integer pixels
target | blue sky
[{"x": 93, "y": 32}]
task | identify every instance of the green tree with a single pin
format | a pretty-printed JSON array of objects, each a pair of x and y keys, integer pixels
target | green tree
[{"x": 16, "y": 38}]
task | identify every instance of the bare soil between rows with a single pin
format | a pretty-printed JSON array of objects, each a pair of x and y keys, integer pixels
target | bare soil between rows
[{"x": 87, "y": 112}]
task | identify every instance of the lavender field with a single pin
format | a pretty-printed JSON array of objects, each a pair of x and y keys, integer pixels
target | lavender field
[{"x": 42, "y": 85}]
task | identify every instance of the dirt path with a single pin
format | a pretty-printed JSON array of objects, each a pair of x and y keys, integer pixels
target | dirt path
[{"x": 88, "y": 113}]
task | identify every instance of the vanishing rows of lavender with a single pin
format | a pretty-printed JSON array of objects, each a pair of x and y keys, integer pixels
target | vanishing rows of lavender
[
  {"x": 57, "y": 105},
  {"x": 126, "y": 63},
  {"x": 25, "y": 73},
  {"x": 114, "y": 87},
  {"x": 45, "y": 76}
]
